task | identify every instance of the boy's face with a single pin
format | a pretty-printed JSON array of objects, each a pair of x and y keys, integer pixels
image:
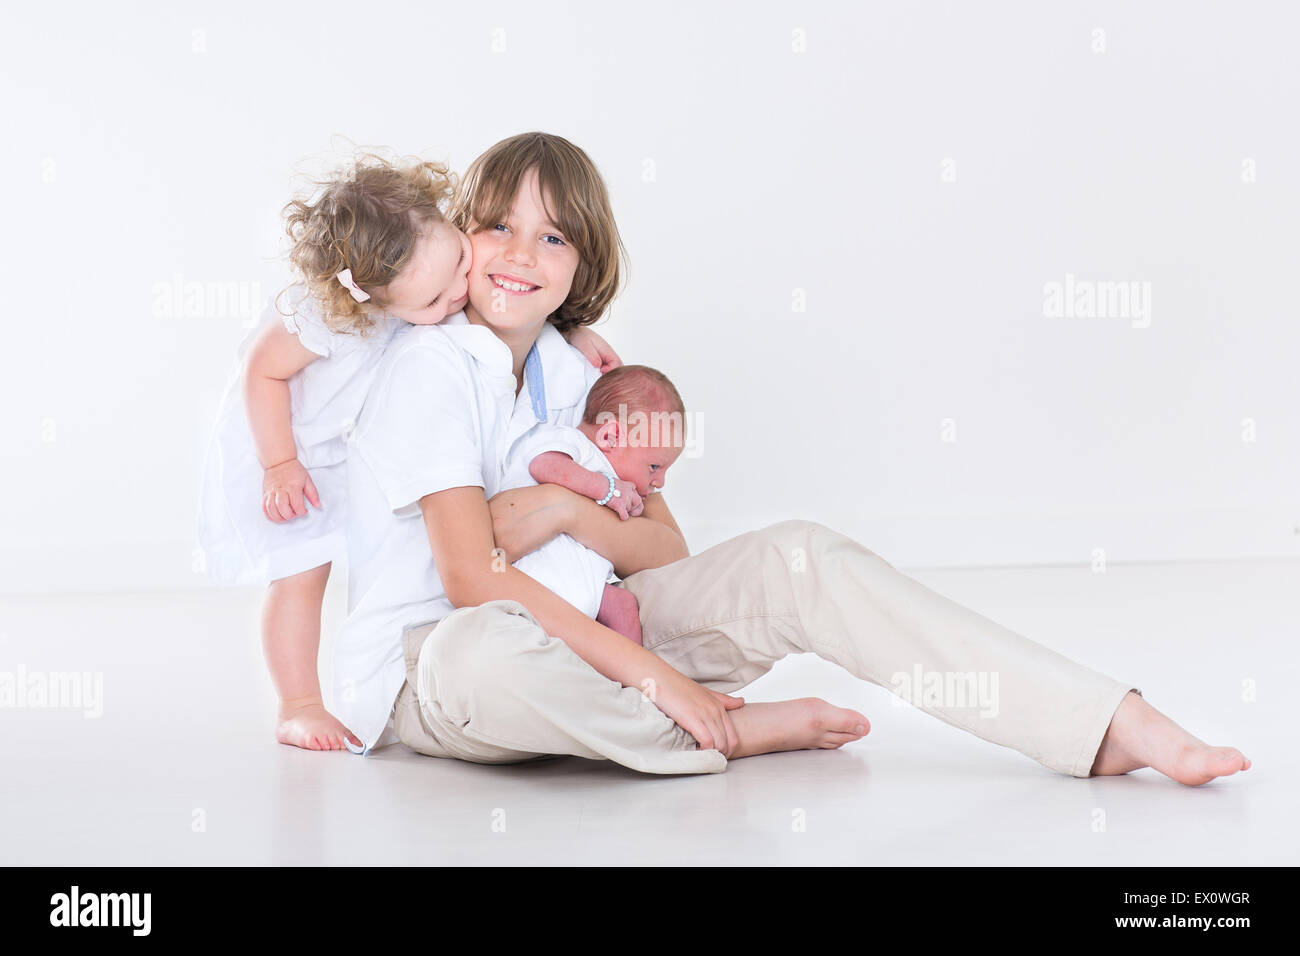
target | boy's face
[
  {"x": 429, "y": 286},
  {"x": 523, "y": 268}
]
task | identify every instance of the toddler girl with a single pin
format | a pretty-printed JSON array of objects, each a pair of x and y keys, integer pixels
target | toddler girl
[{"x": 372, "y": 251}]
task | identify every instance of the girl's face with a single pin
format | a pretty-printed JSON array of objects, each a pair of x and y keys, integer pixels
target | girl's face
[
  {"x": 433, "y": 281},
  {"x": 523, "y": 267}
]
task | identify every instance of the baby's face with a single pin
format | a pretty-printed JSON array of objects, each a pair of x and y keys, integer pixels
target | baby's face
[
  {"x": 646, "y": 466},
  {"x": 434, "y": 279}
]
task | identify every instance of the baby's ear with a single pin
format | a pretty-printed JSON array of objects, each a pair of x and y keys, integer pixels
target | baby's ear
[{"x": 608, "y": 434}]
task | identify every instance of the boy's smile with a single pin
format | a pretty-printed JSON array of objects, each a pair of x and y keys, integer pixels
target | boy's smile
[{"x": 523, "y": 268}]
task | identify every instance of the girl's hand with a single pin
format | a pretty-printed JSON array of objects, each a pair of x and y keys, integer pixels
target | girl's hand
[
  {"x": 284, "y": 486},
  {"x": 627, "y": 502},
  {"x": 702, "y": 713},
  {"x": 596, "y": 349}
]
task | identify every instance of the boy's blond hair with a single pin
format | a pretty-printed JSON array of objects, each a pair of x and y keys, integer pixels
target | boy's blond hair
[
  {"x": 366, "y": 218},
  {"x": 573, "y": 184}
]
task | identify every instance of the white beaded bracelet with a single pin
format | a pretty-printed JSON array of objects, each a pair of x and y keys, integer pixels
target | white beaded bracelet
[{"x": 613, "y": 492}]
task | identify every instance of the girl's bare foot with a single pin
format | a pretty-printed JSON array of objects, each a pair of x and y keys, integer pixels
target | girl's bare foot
[
  {"x": 1140, "y": 736},
  {"x": 805, "y": 724},
  {"x": 311, "y": 727}
]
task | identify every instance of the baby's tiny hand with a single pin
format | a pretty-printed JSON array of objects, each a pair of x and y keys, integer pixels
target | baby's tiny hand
[
  {"x": 284, "y": 488},
  {"x": 626, "y": 502}
]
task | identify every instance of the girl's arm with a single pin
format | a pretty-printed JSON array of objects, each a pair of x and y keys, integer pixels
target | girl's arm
[
  {"x": 459, "y": 526},
  {"x": 598, "y": 352},
  {"x": 274, "y": 357},
  {"x": 524, "y": 519}
]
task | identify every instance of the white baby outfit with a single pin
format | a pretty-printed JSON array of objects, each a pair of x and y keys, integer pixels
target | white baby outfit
[
  {"x": 565, "y": 566},
  {"x": 239, "y": 544}
]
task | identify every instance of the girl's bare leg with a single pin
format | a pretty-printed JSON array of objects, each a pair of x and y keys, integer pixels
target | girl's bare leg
[
  {"x": 1140, "y": 736},
  {"x": 291, "y": 642}
]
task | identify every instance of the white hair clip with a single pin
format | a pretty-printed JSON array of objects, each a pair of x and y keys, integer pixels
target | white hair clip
[{"x": 345, "y": 277}]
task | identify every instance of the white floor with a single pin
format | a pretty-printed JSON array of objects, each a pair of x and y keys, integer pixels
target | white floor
[{"x": 182, "y": 769}]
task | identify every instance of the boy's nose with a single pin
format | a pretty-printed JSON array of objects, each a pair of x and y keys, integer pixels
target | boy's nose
[{"x": 519, "y": 252}]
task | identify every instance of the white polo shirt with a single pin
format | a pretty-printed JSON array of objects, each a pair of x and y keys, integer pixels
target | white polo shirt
[{"x": 441, "y": 413}]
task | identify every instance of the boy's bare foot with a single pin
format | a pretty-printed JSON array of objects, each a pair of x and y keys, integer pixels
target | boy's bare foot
[
  {"x": 805, "y": 724},
  {"x": 1140, "y": 736},
  {"x": 311, "y": 727}
]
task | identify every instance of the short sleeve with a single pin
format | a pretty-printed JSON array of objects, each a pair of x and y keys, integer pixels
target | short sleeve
[
  {"x": 418, "y": 431},
  {"x": 545, "y": 437},
  {"x": 305, "y": 322}
]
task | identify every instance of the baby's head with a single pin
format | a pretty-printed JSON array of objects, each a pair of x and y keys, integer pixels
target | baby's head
[
  {"x": 635, "y": 416},
  {"x": 374, "y": 239}
]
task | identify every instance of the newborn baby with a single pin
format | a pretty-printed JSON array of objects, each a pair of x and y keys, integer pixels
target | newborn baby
[{"x": 632, "y": 431}]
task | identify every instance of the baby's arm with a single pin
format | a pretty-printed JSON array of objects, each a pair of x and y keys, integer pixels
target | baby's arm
[
  {"x": 555, "y": 467},
  {"x": 275, "y": 356}
]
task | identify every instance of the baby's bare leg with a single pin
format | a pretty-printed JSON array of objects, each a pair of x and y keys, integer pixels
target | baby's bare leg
[
  {"x": 291, "y": 642},
  {"x": 1140, "y": 736},
  {"x": 619, "y": 612}
]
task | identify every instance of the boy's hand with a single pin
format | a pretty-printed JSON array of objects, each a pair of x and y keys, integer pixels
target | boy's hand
[
  {"x": 702, "y": 713},
  {"x": 626, "y": 501},
  {"x": 284, "y": 488}
]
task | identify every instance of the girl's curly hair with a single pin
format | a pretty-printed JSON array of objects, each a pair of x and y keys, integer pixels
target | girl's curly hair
[{"x": 367, "y": 218}]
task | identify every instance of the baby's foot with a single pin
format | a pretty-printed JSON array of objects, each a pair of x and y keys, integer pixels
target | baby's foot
[
  {"x": 620, "y": 612},
  {"x": 1140, "y": 736},
  {"x": 311, "y": 727},
  {"x": 806, "y": 724}
]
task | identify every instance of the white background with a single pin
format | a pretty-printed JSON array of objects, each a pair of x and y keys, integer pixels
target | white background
[{"x": 751, "y": 150}]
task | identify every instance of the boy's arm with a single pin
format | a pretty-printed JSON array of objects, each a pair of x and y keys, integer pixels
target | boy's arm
[
  {"x": 637, "y": 544},
  {"x": 524, "y": 519},
  {"x": 459, "y": 527}
]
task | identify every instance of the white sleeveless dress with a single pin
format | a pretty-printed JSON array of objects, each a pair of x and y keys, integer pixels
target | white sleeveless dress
[{"x": 239, "y": 544}]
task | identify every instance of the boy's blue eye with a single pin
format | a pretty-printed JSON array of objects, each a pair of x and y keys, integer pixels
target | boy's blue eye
[
  {"x": 653, "y": 467},
  {"x": 558, "y": 240}
]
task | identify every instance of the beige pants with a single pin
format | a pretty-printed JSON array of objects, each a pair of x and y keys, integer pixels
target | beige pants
[{"x": 487, "y": 684}]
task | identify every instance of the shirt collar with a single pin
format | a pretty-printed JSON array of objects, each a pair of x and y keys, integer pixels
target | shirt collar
[
  {"x": 564, "y": 367},
  {"x": 480, "y": 342},
  {"x": 562, "y": 381}
]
